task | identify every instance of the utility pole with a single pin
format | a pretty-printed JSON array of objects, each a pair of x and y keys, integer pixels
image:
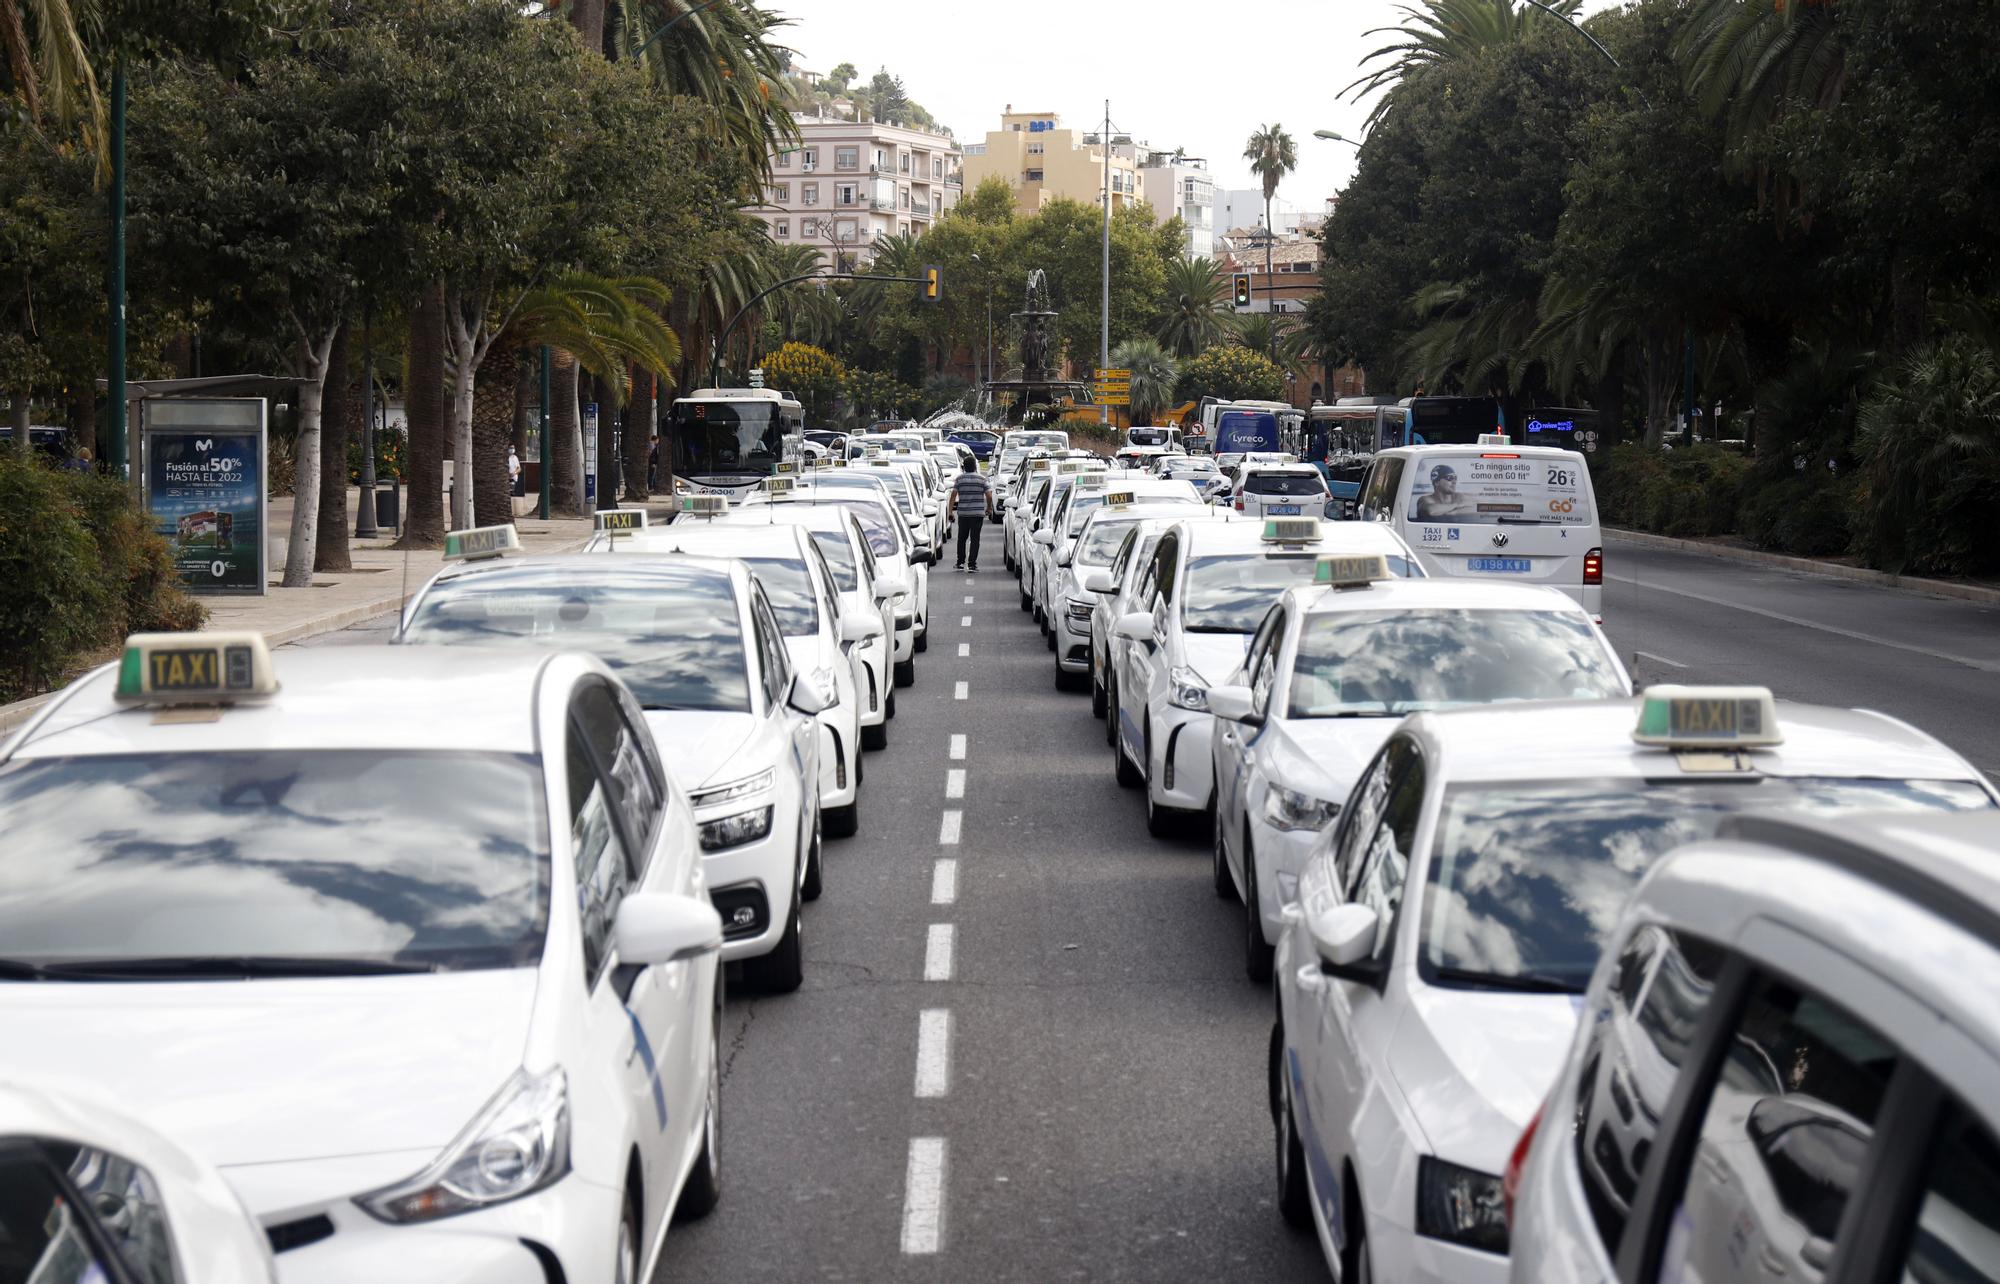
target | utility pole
[
  {"x": 548, "y": 450},
  {"x": 118, "y": 445},
  {"x": 364, "y": 522},
  {"x": 1104, "y": 302}
]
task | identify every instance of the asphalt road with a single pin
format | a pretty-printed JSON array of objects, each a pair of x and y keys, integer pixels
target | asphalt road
[{"x": 1025, "y": 1049}]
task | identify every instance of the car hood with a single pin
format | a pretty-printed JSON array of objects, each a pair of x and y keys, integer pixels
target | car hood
[
  {"x": 278, "y": 1071},
  {"x": 697, "y": 744},
  {"x": 1215, "y": 655},
  {"x": 808, "y": 652},
  {"x": 1475, "y": 1065},
  {"x": 1325, "y": 756}
]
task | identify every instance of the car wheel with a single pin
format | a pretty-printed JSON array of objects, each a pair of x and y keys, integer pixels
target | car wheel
[
  {"x": 1256, "y": 954},
  {"x": 626, "y": 1269},
  {"x": 1354, "y": 1263},
  {"x": 844, "y": 822},
  {"x": 1066, "y": 681},
  {"x": 1050, "y": 634},
  {"x": 1096, "y": 698},
  {"x": 703, "y": 1189},
  {"x": 1110, "y": 715},
  {"x": 875, "y": 737},
  {"x": 888, "y": 711},
  {"x": 1128, "y": 775},
  {"x": 906, "y": 673},
  {"x": 814, "y": 881},
  {"x": 1161, "y": 822},
  {"x": 783, "y": 969},
  {"x": 1027, "y": 603},
  {"x": 1294, "y": 1194},
  {"x": 923, "y": 642},
  {"x": 1225, "y": 886}
]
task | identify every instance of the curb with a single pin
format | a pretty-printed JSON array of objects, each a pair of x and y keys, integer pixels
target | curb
[{"x": 1983, "y": 594}]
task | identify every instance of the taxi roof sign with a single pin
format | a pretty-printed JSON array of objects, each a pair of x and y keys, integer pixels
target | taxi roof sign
[
  {"x": 1069, "y": 466},
  {"x": 1356, "y": 571},
  {"x": 780, "y": 487},
  {"x": 1679, "y": 717},
  {"x": 704, "y": 505},
  {"x": 1090, "y": 481},
  {"x": 1119, "y": 498},
  {"x": 478, "y": 543},
  {"x": 1495, "y": 439},
  {"x": 1291, "y": 530},
  {"x": 621, "y": 521},
  {"x": 194, "y": 668},
  {"x": 1039, "y": 464}
]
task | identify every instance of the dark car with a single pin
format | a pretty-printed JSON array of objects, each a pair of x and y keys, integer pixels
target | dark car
[{"x": 981, "y": 443}]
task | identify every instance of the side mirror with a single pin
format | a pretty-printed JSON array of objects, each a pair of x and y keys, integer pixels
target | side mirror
[
  {"x": 1135, "y": 627},
  {"x": 1046, "y": 538},
  {"x": 923, "y": 556},
  {"x": 1100, "y": 582},
  {"x": 930, "y": 510},
  {"x": 661, "y": 927},
  {"x": 806, "y": 698},
  {"x": 860, "y": 626},
  {"x": 885, "y": 588},
  {"x": 1234, "y": 703},
  {"x": 1343, "y": 935},
  {"x": 1065, "y": 557}
]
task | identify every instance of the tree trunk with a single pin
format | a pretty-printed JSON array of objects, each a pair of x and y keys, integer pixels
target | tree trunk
[
  {"x": 587, "y": 16},
  {"x": 22, "y": 419},
  {"x": 639, "y": 433},
  {"x": 607, "y": 444},
  {"x": 565, "y": 463},
  {"x": 527, "y": 400},
  {"x": 423, "y": 406},
  {"x": 492, "y": 425},
  {"x": 330, "y": 552},
  {"x": 315, "y": 356}
]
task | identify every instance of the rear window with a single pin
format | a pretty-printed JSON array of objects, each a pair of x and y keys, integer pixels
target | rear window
[
  {"x": 1499, "y": 489},
  {"x": 789, "y": 587},
  {"x": 1284, "y": 484},
  {"x": 839, "y": 556}
]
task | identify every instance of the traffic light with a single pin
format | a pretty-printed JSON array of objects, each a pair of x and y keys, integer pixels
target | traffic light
[
  {"x": 933, "y": 283},
  {"x": 1242, "y": 282}
]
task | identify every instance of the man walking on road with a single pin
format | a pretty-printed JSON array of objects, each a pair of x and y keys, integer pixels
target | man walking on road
[{"x": 974, "y": 494}]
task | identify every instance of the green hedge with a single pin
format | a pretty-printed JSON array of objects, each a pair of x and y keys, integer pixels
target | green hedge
[
  {"x": 1688, "y": 492},
  {"x": 79, "y": 570}
]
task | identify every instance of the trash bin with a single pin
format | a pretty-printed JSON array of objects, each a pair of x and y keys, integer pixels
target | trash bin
[{"x": 388, "y": 507}]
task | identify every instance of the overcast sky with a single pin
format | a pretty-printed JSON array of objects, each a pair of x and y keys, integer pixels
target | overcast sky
[{"x": 1179, "y": 74}]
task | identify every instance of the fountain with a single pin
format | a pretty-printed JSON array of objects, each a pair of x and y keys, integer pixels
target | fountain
[{"x": 1037, "y": 384}]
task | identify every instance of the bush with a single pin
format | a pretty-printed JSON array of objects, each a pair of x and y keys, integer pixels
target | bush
[
  {"x": 392, "y": 456},
  {"x": 1808, "y": 512},
  {"x": 1233, "y": 374},
  {"x": 1930, "y": 438},
  {"x": 1688, "y": 492},
  {"x": 79, "y": 569}
]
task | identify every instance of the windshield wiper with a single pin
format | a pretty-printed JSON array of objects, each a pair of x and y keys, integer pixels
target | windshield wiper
[
  {"x": 1521, "y": 982},
  {"x": 205, "y": 966}
]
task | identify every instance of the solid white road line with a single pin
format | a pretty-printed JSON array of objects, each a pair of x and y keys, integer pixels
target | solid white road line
[
  {"x": 923, "y": 1196},
  {"x": 954, "y": 783},
  {"x": 937, "y": 952},
  {"x": 933, "y": 1052},
  {"x": 959, "y": 691},
  {"x": 964, "y": 621},
  {"x": 944, "y": 882},
  {"x": 964, "y": 649},
  {"x": 958, "y": 748},
  {"x": 948, "y": 827},
  {"x": 1648, "y": 655}
]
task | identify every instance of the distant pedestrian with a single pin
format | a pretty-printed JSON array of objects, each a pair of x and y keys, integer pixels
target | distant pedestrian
[
  {"x": 653, "y": 466},
  {"x": 973, "y": 493},
  {"x": 513, "y": 471}
]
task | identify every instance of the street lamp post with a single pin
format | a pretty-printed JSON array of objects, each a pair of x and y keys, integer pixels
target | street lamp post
[
  {"x": 117, "y": 445},
  {"x": 364, "y": 522},
  {"x": 1333, "y": 137}
]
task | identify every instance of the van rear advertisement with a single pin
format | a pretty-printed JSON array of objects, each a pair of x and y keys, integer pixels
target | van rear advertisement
[
  {"x": 205, "y": 491},
  {"x": 1498, "y": 490}
]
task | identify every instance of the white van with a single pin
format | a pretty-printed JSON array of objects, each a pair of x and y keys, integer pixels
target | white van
[{"x": 1517, "y": 513}]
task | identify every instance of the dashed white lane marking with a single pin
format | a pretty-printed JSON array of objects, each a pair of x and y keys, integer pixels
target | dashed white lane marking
[
  {"x": 944, "y": 882},
  {"x": 948, "y": 827},
  {"x": 968, "y": 599},
  {"x": 1648, "y": 655},
  {"x": 923, "y": 1196},
  {"x": 933, "y": 1052},
  {"x": 964, "y": 649},
  {"x": 960, "y": 690},
  {"x": 964, "y": 621},
  {"x": 958, "y": 748},
  {"x": 954, "y": 783},
  {"x": 937, "y": 952}
]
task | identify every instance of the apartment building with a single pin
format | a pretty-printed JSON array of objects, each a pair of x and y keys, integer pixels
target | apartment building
[
  {"x": 1042, "y": 160},
  {"x": 850, "y": 183},
  {"x": 1178, "y": 186}
]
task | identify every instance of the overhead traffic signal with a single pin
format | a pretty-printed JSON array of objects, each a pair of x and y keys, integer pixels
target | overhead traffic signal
[
  {"x": 933, "y": 282},
  {"x": 1242, "y": 283}
]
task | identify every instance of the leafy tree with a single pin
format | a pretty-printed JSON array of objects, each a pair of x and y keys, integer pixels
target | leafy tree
[
  {"x": 841, "y": 77},
  {"x": 813, "y": 375},
  {"x": 1931, "y": 436},
  {"x": 1153, "y": 375},
  {"x": 1233, "y": 374},
  {"x": 991, "y": 203},
  {"x": 1441, "y": 32}
]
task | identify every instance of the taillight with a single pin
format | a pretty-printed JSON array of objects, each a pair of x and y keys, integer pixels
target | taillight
[
  {"x": 1510, "y": 1180},
  {"x": 1593, "y": 566},
  {"x": 1239, "y": 505}
]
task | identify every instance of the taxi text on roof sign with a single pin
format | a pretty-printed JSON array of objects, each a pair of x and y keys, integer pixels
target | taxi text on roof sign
[
  {"x": 1291, "y": 530},
  {"x": 703, "y": 505},
  {"x": 481, "y": 542},
  {"x": 194, "y": 668},
  {"x": 1118, "y": 498},
  {"x": 621, "y": 519},
  {"x": 780, "y": 487},
  {"x": 1676, "y": 717},
  {"x": 1348, "y": 572}
]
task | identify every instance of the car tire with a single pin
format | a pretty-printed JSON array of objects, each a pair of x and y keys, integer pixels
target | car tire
[
  {"x": 1129, "y": 775},
  {"x": 1027, "y": 603},
  {"x": 625, "y": 1269},
  {"x": 843, "y": 822},
  {"x": 1294, "y": 1192},
  {"x": 783, "y": 969},
  {"x": 815, "y": 879},
  {"x": 1097, "y": 703},
  {"x": 923, "y": 642},
  {"x": 1225, "y": 886},
  {"x": 1161, "y": 822},
  {"x": 889, "y": 710},
  {"x": 875, "y": 737},
  {"x": 1066, "y": 681},
  {"x": 1354, "y": 1261},
  {"x": 906, "y": 673},
  {"x": 1110, "y": 714},
  {"x": 1257, "y": 955},
  {"x": 703, "y": 1188},
  {"x": 1050, "y": 634}
]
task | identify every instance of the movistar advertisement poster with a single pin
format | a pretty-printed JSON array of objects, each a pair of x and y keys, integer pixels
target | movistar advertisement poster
[{"x": 205, "y": 488}]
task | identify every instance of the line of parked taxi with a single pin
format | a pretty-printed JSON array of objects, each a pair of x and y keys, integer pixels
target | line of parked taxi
[
  {"x": 407, "y": 962},
  {"x": 1570, "y": 982}
]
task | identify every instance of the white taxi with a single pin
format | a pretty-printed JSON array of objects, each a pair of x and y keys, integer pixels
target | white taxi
[
  {"x": 1199, "y": 598},
  {"x": 697, "y": 642},
  {"x": 1040, "y": 520},
  {"x": 1430, "y": 977},
  {"x": 1809, "y": 979},
  {"x": 1331, "y": 671},
  {"x": 1084, "y": 575},
  {"x": 1280, "y": 490},
  {"x": 1091, "y": 493},
  {"x": 412, "y": 945},
  {"x": 1016, "y": 496},
  {"x": 1112, "y": 590}
]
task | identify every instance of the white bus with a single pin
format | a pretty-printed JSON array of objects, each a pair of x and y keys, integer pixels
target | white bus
[{"x": 726, "y": 441}]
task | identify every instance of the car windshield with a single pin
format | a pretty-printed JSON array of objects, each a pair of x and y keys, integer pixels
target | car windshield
[
  {"x": 674, "y": 638},
  {"x": 1526, "y": 880},
  {"x": 840, "y": 557},
  {"x": 314, "y": 861},
  {"x": 876, "y": 525},
  {"x": 789, "y": 586},
  {"x": 1100, "y": 543},
  {"x": 1283, "y": 484},
  {"x": 1389, "y": 663},
  {"x": 1230, "y": 592}
]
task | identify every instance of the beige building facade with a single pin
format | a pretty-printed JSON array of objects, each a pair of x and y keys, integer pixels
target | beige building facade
[
  {"x": 1041, "y": 159},
  {"x": 851, "y": 183}
]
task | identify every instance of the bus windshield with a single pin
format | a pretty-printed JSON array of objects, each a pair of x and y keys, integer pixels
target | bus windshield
[{"x": 720, "y": 438}]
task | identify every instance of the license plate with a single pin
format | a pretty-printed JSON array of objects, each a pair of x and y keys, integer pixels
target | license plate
[
  {"x": 1501, "y": 565},
  {"x": 1282, "y": 510}
]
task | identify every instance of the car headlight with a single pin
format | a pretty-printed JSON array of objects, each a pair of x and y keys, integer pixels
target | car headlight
[
  {"x": 1288, "y": 809},
  {"x": 734, "y": 831},
  {"x": 517, "y": 1144},
  {"x": 1079, "y": 612},
  {"x": 734, "y": 789},
  {"x": 1460, "y": 1206},
  {"x": 828, "y": 687},
  {"x": 1187, "y": 689}
]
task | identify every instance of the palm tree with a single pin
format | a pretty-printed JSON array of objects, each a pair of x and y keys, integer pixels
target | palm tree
[
  {"x": 1751, "y": 61},
  {"x": 1195, "y": 317},
  {"x": 44, "y": 66},
  {"x": 1153, "y": 375},
  {"x": 1443, "y": 31},
  {"x": 723, "y": 55},
  {"x": 1272, "y": 155}
]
